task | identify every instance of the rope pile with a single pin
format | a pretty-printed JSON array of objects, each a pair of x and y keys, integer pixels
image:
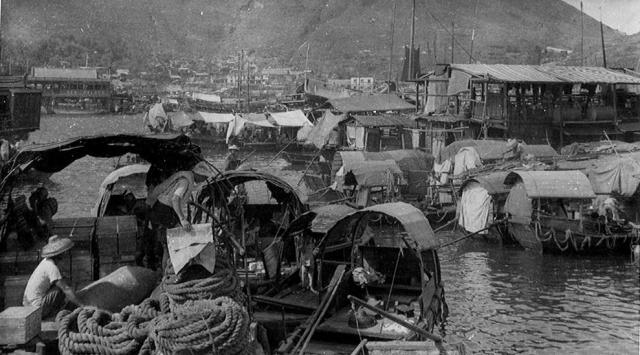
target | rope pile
[{"x": 199, "y": 315}]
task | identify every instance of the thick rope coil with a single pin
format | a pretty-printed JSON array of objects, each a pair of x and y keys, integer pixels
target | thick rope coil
[
  {"x": 204, "y": 314},
  {"x": 71, "y": 340},
  {"x": 219, "y": 326},
  {"x": 224, "y": 282}
]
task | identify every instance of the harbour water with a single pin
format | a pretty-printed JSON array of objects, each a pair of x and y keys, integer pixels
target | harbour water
[{"x": 501, "y": 299}]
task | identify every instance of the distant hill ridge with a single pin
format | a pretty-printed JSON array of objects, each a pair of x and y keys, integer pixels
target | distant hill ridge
[{"x": 346, "y": 37}]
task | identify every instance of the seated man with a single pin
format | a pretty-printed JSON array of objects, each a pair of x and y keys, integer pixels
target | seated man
[{"x": 46, "y": 288}]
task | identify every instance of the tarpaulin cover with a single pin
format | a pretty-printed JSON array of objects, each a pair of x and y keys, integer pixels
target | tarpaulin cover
[
  {"x": 620, "y": 176},
  {"x": 235, "y": 127},
  {"x": 303, "y": 133},
  {"x": 415, "y": 224},
  {"x": 492, "y": 182},
  {"x": 180, "y": 119},
  {"x": 206, "y": 97},
  {"x": 571, "y": 184},
  {"x": 437, "y": 100},
  {"x": 210, "y": 117},
  {"x": 458, "y": 82},
  {"x": 407, "y": 160},
  {"x": 294, "y": 118},
  {"x": 134, "y": 171},
  {"x": 156, "y": 117},
  {"x": 372, "y": 173},
  {"x": 487, "y": 149},
  {"x": 321, "y": 132},
  {"x": 257, "y": 119},
  {"x": 366, "y": 103},
  {"x": 125, "y": 286},
  {"x": 170, "y": 151},
  {"x": 518, "y": 204},
  {"x": 466, "y": 159},
  {"x": 475, "y": 208}
]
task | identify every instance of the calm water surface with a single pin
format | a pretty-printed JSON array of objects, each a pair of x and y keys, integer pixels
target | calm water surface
[{"x": 501, "y": 300}]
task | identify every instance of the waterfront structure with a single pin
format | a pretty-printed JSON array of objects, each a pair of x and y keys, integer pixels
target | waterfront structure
[{"x": 81, "y": 87}]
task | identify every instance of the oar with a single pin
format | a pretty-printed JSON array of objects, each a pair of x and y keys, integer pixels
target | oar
[
  {"x": 280, "y": 152},
  {"x": 471, "y": 234}
]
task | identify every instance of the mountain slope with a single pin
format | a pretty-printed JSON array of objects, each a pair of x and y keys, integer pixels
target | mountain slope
[{"x": 345, "y": 37}]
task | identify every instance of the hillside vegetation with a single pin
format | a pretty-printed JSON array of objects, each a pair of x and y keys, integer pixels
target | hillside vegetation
[{"x": 345, "y": 37}]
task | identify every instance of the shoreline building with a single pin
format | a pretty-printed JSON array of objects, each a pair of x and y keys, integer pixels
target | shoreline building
[{"x": 78, "y": 88}]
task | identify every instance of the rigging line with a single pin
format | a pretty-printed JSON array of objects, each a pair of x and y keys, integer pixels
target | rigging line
[{"x": 449, "y": 32}]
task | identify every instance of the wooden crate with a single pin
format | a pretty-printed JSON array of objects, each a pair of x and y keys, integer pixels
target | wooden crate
[
  {"x": 80, "y": 230},
  {"x": 18, "y": 325},
  {"x": 18, "y": 262},
  {"x": 13, "y": 289},
  {"x": 116, "y": 235},
  {"x": 78, "y": 267}
]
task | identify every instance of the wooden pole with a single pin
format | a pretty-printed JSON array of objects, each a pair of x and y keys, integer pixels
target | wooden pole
[
  {"x": 453, "y": 40},
  {"x": 604, "y": 53},
  {"x": 248, "y": 90},
  {"x": 437, "y": 339},
  {"x": 581, "y": 35},
  {"x": 238, "y": 76},
  {"x": 413, "y": 33},
  {"x": 473, "y": 30},
  {"x": 393, "y": 28}
]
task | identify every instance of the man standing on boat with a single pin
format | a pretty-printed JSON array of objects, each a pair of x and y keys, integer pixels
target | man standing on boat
[
  {"x": 232, "y": 161},
  {"x": 46, "y": 287},
  {"x": 167, "y": 204}
]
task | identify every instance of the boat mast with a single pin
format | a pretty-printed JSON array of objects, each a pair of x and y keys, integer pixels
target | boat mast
[
  {"x": 413, "y": 33},
  {"x": 473, "y": 30},
  {"x": 393, "y": 27},
  {"x": 604, "y": 53},
  {"x": 238, "y": 76},
  {"x": 581, "y": 35}
]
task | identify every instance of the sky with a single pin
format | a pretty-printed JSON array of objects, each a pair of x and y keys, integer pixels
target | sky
[{"x": 622, "y": 15}]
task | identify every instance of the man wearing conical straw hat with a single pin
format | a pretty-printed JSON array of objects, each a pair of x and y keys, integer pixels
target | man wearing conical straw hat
[{"x": 46, "y": 287}]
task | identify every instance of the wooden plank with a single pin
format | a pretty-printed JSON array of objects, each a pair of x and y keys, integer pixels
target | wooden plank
[{"x": 18, "y": 325}]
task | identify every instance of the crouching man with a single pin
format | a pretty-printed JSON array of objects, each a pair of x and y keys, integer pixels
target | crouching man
[{"x": 46, "y": 288}]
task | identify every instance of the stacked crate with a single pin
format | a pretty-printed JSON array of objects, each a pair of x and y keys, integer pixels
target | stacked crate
[
  {"x": 80, "y": 266},
  {"x": 15, "y": 269},
  {"x": 116, "y": 242}
]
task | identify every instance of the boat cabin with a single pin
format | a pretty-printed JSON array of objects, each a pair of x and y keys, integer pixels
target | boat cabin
[
  {"x": 104, "y": 240},
  {"x": 540, "y": 104},
  {"x": 553, "y": 211},
  {"x": 482, "y": 200},
  {"x": 19, "y": 109},
  {"x": 384, "y": 254},
  {"x": 258, "y": 207}
]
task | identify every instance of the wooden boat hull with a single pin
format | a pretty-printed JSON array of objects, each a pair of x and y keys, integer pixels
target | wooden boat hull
[{"x": 549, "y": 240}]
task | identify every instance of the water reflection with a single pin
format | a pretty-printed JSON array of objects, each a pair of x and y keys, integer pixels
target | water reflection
[
  {"x": 501, "y": 299},
  {"x": 507, "y": 300}
]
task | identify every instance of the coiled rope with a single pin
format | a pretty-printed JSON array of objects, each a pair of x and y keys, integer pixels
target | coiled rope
[
  {"x": 202, "y": 315},
  {"x": 219, "y": 326}
]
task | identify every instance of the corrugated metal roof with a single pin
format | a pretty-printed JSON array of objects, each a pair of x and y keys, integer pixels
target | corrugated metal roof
[
  {"x": 546, "y": 74},
  {"x": 384, "y": 121},
  {"x": 553, "y": 184},
  {"x": 65, "y": 73},
  {"x": 365, "y": 103},
  {"x": 590, "y": 75},
  {"x": 508, "y": 73}
]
